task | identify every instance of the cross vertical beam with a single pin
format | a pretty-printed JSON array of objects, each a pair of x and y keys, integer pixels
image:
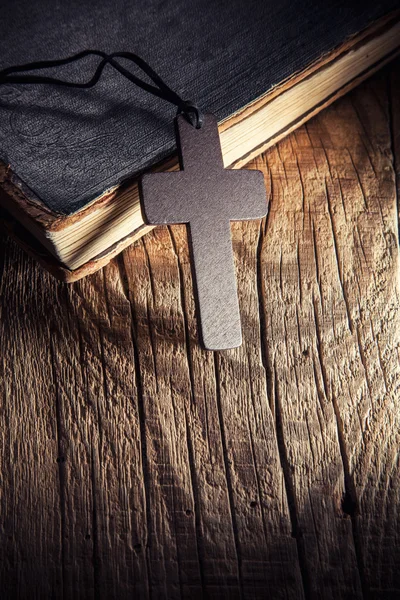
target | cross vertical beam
[{"x": 215, "y": 282}]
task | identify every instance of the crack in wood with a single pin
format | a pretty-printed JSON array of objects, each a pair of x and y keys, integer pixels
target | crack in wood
[
  {"x": 140, "y": 400},
  {"x": 61, "y": 466},
  {"x": 192, "y": 463},
  {"x": 337, "y": 257},
  {"x": 290, "y": 493},
  {"x": 227, "y": 474}
]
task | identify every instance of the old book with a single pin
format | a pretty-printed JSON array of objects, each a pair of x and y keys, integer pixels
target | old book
[{"x": 70, "y": 159}]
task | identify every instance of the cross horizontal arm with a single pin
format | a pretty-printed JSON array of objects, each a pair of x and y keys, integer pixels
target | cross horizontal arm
[
  {"x": 247, "y": 197},
  {"x": 168, "y": 198},
  {"x": 184, "y": 196}
]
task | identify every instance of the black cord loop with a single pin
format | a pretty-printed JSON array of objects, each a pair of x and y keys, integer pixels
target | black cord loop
[
  {"x": 192, "y": 113},
  {"x": 160, "y": 89}
]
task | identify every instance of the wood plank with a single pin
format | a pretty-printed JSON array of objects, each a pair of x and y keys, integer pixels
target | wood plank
[
  {"x": 133, "y": 463},
  {"x": 332, "y": 284},
  {"x": 370, "y": 414},
  {"x": 100, "y": 435},
  {"x": 172, "y": 546},
  {"x": 360, "y": 359},
  {"x": 30, "y": 519}
]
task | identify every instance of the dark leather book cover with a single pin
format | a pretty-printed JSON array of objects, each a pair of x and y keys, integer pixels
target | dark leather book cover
[{"x": 67, "y": 146}]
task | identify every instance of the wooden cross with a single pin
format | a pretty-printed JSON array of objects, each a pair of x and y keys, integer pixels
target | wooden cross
[{"x": 207, "y": 196}]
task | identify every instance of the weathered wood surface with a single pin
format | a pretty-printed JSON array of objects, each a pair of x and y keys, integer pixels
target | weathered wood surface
[{"x": 136, "y": 465}]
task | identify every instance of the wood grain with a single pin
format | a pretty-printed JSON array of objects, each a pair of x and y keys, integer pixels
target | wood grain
[{"x": 135, "y": 464}]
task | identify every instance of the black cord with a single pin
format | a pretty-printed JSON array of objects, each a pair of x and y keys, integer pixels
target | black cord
[{"x": 191, "y": 112}]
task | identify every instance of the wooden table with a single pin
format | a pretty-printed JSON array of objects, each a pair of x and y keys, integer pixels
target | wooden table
[{"x": 136, "y": 465}]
